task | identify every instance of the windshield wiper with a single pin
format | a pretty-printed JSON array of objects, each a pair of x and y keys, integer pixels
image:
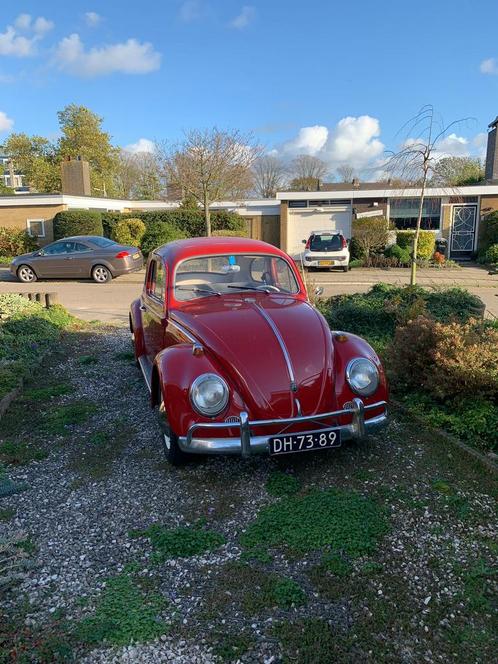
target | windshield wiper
[
  {"x": 261, "y": 289},
  {"x": 195, "y": 289}
]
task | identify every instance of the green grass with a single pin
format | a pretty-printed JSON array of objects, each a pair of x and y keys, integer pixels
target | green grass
[
  {"x": 20, "y": 453},
  {"x": 94, "y": 456},
  {"x": 125, "y": 356},
  {"x": 47, "y": 392},
  {"x": 124, "y": 614},
  {"x": 58, "y": 420},
  {"x": 343, "y": 521},
  {"x": 282, "y": 484},
  {"x": 181, "y": 542},
  {"x": 87, "y": 359},
  {"x": 309, "y": 641}
]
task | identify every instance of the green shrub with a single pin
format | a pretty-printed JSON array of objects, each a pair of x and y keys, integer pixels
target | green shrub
[
  {"x": 160, "y": 233},
  {"x": 77, "y": 222},
  {"x": 402, "y": 254},
  {"x": 370, "y": 235},
  {"x": 14, "y": 241},
  {"x": 446, "y": 360},
  {"x": 179, "y": 542},
  {"x": 129, "y": 232},
  {"x": 489, "y": 226},
  {"x": 491, "y": 254},
  {"x": 110, "y": 219},
  {"x": 426, "y": 243}
]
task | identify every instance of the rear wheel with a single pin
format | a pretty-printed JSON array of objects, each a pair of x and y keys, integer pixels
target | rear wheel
[
  {"x": 101, "y": 274},
  {"x": 174, "y": 455},
  {"x": 26, "y": 274}
]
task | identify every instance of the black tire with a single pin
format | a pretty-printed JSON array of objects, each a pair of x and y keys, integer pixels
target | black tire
[
  {"x": 169, "y": 440},
  {"x": 346, "y": 268},
  {"x": 26, "y": 274},
  {"x": 101, "y": 274}
]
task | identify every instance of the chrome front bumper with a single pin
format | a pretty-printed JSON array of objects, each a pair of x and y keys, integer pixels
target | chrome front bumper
[{"x": 247, "y": 443}]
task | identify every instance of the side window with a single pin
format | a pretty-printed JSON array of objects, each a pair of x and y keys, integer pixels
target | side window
[
  {"x": 156, "y": 280},
  {"x": 80, "y": 248},
  {"x": 58, "y": 248}
]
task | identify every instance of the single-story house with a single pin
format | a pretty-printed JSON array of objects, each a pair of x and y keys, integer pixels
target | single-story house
[{"x": 455, "y": 213}]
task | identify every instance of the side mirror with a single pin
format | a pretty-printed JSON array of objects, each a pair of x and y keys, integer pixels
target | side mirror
[
  {"x": 318, "y": 291},
  {"x": 303, "y": 241},
  {"x": 40, "y": 252}
]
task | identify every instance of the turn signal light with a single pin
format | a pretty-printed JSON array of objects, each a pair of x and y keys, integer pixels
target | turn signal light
[
  {"x": 344, "y": 242},
  {"x": 122, "y": 254}
]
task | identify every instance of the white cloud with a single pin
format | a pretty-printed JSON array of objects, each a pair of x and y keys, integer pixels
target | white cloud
[
  {"x": 489, "y": 66},
  {"x": 130, "y": 57},
  {"x": 353, "y": 141},
  {"x": 19, "y": 45},
  {"x": 191, "y": 10},
  {"x": 92, "y": 19},
  {"x": 6, "y": 123},
  {"x": 309, "y": 140},
  {"x": 244, "y": 18},
  {"x": 142, "y": 145}
]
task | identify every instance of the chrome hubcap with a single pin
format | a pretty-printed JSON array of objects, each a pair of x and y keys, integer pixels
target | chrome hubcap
[
  {"x": 100, "y": 274},
  {"x": 26, "y": 274},
  {"x": 167, "y": 441}
]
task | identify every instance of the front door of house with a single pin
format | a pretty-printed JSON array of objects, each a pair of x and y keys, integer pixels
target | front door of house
[{"x": 463, "y": 230}]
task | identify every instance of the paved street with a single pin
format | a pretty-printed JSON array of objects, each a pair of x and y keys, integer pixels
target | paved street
[{"x": 110, "y": 302}]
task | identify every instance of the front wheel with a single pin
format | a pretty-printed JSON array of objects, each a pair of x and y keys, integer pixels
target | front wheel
[
  {"x": 174, "y": 455},
  {"x": 346, "y": 268},
  {"x": 26, "y": 274},
  {"x": 101, "y": 274}
]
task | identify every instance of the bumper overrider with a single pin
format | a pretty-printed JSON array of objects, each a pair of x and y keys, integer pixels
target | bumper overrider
[{"x": 248, "y": 443}]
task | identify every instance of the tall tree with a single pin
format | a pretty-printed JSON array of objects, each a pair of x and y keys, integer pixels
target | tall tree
[
  {"x": 37, "y": 159},
  {"x": 82, "y": 135},
  {"x": 308, "y": 172},
  {"x": 210, "y": 165},
  {"x": 269, "y": 176},
  {"x": 457, "y": 171},
  {"x": 346, "y": 173},
  {"x": 416, "y": 162},
  {"x": 138, "y": 176}
]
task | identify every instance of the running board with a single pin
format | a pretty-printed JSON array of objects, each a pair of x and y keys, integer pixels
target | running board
[{"x": 146, "y": 367}]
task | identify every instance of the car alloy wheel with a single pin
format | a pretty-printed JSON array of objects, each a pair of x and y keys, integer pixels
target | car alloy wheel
[
  {"x": 26, "y": 274},
  {"x": 101, "y": 274}
]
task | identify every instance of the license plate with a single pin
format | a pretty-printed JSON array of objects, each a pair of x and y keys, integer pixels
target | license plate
[
  {"x": 136, "y": 256},
  {"x": 305, "y": 442},
  {"x": 325, "y": 263}
]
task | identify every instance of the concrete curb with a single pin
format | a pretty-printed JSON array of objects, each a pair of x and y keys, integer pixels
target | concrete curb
[{"x": 456, "y": 442}]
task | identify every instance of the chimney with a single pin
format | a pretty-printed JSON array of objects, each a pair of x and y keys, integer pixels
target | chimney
[
  {"x": 492, "y": 152},
  {"x": 75, "y": 177}
]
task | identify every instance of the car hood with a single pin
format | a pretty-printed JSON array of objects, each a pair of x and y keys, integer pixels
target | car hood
[
  {"x": 276, "y": 350},
  {"x": 21, "y": 257}
]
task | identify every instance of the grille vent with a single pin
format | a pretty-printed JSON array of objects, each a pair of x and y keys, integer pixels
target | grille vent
[
  {"x": 349, "y": 405},
  {"x": 233, "y": 419}
]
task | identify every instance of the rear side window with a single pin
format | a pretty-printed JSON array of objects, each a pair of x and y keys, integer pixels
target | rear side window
[
  {"x": 80, "y": 248},
  {"x": 326, "y": 242},
  {"x": 156, "y": 280},
  {"x": 103, "y": 242}
]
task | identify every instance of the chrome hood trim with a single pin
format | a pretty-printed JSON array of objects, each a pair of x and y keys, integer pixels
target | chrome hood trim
[{"x": 281, "y": 342}]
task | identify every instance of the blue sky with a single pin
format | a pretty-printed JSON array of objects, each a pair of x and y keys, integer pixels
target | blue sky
[{"x": 335, "y": 79}]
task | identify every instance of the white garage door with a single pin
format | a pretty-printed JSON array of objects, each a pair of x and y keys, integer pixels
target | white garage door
[{"x": 303, "y": 222}]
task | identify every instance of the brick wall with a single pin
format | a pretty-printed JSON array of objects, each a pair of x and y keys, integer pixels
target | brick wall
[{"x": 16, "y": 217}]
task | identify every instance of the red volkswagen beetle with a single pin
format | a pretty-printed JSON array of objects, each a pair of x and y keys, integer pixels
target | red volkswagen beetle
[{"x": 238, "y": 361}]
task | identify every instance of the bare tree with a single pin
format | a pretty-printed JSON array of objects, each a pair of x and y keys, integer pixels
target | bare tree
[
  {"x": 210, "y": 165},
  {"x": 308, "y": 172},
  {"x": 416, "y": 162},
  {"x": 346, "y": 173},
  {"x": 269, "y": 176},
  {"x": 138, "y": 176}
]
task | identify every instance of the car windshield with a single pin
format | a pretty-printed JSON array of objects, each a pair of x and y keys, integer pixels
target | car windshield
[
  {"x": 229, "y": 273},
  {"x": 326, "y": 242},
  {"x": 102, "y": 241}
]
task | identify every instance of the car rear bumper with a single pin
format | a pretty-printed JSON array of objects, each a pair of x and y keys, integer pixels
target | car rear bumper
[
  {"x": 126, "y": 268},
  {"x": 247, "y": 444},
  {"x": 312, "y": 261}
]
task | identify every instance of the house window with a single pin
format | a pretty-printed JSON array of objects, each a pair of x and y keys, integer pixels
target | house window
[
  {"x": 36, "y": 227},
  {"x": 404, "y": 213},
  {"x": 298, "y": 204}
]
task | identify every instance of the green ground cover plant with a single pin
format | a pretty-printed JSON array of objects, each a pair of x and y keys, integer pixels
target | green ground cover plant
[
  {"x": 180, "y": 542},
  {"x": 282, "y": 484},
  {"x": 26, "y": 331}
]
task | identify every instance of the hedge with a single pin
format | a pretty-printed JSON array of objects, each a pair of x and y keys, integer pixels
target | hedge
[
  {"x": 190, "y": 222},
  {"x": 77, "y": 222},
  {"x": 426, "y": 242},
  {"x": 129, "y": 231},
  {"x": 159, "y": 233}
]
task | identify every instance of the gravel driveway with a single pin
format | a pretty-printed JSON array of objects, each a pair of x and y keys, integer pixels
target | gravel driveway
[{"x": 84, "y": 447}]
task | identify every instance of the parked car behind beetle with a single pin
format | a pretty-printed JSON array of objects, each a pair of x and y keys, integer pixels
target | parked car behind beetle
[
  {"x": 326, "y": 249},
  {"x": 81, "y": 256}
]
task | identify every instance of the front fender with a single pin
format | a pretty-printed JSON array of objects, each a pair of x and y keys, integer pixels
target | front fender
[
  {"x": 175, "y": 368},
  {"x": 348, "y": 346}
]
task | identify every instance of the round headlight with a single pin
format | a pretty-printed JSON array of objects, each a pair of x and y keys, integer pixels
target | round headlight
[
  {"x": 362, "y": 376},
  {"x": 209, "y": 394}
]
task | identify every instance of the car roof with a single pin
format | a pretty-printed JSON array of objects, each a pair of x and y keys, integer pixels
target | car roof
[
  {"x": 326, "y": 232},
  {"x": 202, "y": 246},
  {"x": 85, "y": 237}
]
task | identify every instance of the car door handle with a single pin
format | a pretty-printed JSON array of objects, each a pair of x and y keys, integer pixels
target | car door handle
[{"x": 142, "y": 308}]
